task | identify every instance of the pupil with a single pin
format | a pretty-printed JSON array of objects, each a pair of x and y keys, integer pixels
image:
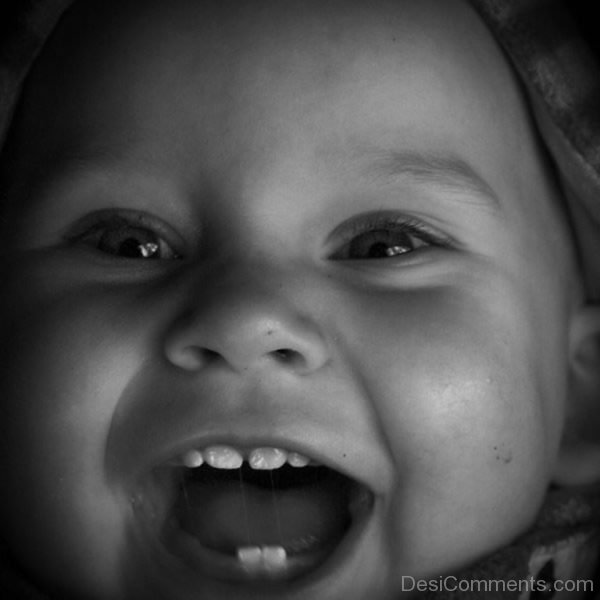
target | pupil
[
  {"x": 378, "y": 250},
  {"x": 130, "y": 248}
]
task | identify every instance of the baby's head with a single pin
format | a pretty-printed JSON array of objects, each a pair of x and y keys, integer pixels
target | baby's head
[{"x": 280, "y": 232}]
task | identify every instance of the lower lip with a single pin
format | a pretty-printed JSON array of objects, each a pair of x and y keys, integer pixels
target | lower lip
[
  {"x": 226, "y": 567},
  {"x": 302, "y": 570}
]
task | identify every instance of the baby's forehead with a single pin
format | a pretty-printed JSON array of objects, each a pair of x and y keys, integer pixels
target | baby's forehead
[
  {"x": 303, "y": 33},
  {"x": 416, "y": 86},
  {"x": 406, "y": 55}
]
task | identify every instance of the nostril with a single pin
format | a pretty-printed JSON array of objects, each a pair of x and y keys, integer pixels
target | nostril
[
  {"x": 257, "y": 342},
  {"x": 300, "y": 360},
  {"x": 286, "y": 356},
  {"x": 192, "y": 358},
  {"x": 208, "y": 356}
]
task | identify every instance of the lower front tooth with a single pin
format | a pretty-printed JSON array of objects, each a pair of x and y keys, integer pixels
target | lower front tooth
[
  {"x": 264, "y": 560},
  {"x": 274, "y": 558},
  {"x": 250, "y": 557},
  {"x": 223, "y": 457}
]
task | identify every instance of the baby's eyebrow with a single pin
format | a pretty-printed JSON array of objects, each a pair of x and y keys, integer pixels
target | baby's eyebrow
[{"x": 450, "y": 173}]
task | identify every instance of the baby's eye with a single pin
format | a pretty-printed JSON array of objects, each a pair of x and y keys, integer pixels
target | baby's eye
[
  {"x": 381, "y": 243},
  {"x": 134, "y": 242},
  {"x": 131, "y": 235},
  {"x": 383, "y": 237}
]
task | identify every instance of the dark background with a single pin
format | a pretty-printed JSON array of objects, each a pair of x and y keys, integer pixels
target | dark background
[{"x": 586, "y": 14}]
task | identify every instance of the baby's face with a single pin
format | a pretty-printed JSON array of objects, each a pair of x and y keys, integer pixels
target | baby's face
[{"x": 313, "y": 227}]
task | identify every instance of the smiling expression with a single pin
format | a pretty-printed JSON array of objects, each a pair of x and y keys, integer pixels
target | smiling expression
[{"x": 324, "y": 229}]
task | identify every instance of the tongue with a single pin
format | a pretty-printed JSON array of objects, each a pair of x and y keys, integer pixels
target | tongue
[{"x": 227, "y": 515}]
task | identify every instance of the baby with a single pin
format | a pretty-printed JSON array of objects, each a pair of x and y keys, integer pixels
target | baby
[{"x": 290, "y": 304}]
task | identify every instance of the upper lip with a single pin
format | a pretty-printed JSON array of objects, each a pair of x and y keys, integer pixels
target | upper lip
[
  {"x": 330, "y": 449},
  {"x": 334, "y": 438}
]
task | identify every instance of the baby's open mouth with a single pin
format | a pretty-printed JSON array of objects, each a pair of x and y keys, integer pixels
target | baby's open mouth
[{"x": 257, "y": 516}]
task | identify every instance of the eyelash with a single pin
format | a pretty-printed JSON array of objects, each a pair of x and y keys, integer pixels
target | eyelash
[
  {"x": 95, "y": 231},
  {"x": 416, "y": 235},
  {"x": 134, "y": 236}
]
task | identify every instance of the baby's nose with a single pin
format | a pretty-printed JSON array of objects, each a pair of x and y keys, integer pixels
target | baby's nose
[{"x": 244, "y": 325}]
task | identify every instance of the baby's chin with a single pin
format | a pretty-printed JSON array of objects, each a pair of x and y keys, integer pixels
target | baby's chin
[{"x": 204, "y": 524}]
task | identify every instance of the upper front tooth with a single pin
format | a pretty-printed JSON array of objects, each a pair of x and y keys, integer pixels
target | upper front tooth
[
  {"x": 193, "y": 459},
  {"x": 223, "y": 457},
  {"x": 297, "y": 460},
  {"x": 267, "y": 458}
]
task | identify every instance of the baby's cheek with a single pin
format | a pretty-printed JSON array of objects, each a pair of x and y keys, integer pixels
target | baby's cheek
[
  {"x": 65, "y": 370},
  {"x": 468, "y": 444}
]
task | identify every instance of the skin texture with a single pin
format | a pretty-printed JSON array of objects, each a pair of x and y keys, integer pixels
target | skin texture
[{"x": 255, "y": 134}]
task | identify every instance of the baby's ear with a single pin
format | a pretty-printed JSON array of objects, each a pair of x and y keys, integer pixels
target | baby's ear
[{"x": 579, "y": 457}]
